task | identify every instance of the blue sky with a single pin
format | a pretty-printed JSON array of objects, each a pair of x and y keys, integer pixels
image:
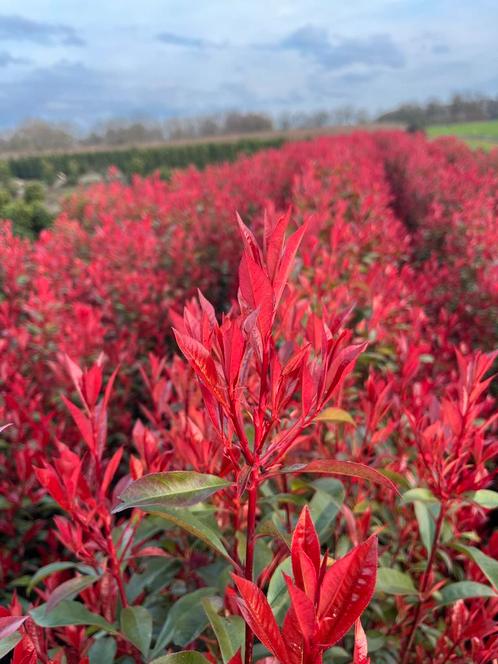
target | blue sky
[{"x": 87, "y": 61}]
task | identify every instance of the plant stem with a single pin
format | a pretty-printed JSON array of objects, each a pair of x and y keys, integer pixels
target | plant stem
[
  {"x": 249, "y": 568},
  {"x": 288, "y": 523},
  {"x": 423, "y": 586}
]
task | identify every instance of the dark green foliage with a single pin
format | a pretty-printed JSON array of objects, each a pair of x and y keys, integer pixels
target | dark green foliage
[{"x": 134, "y": 160}]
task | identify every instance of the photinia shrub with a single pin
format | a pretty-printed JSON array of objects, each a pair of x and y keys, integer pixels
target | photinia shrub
[{"x": 311, "y": 478}]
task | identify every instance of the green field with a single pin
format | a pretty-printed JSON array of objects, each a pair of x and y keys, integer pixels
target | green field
[{"x": 476, "y": 134}]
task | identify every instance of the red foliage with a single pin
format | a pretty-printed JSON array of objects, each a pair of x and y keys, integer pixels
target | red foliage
[{"x": 367, "y": 286}]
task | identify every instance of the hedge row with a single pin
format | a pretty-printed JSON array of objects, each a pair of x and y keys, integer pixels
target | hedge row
[{"x": 134, "y": 160}]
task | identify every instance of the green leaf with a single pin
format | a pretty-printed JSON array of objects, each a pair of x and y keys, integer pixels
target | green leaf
[
  {"x": 176, "y": 488},
  {"x": 185, "y": 621},
  {"x": 103, "y": 650},
  {"x": 394, "y": 582},
  {"x": 277, "y": 596},
  {"x": 229, "y": 631},
  {"x": 9, "y": 643},
  {"x": 348, "y": 468},
  {"x": 69, "y": 613},
  {"x": 326, "y": 504},
  {"x": 426, "y": 525},
  {"x": 193, "y": 525},
  {"x": 185, "y": 657},
  {"x": 136, "y": 626},
  {"x": 335, "y": 415},
  {"x": 397, "y": 478},
  {"x": 487, "y": 565},
  {"x": 484, "y": 498},
  {"x": 47, "y": 570},
  {"x": 269, "y": 528},
  {"x": 464, "y": 590},
  {"x": 421, "y": 494}
]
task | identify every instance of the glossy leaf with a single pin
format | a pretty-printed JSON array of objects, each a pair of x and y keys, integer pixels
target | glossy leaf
[
  {"x": 394, "y": 582},
  {"x": 348, "y": 468},
  {"x": 136, "y": 627},
  {"x": 258, "y": 614},
  {"x": 277, "y": 589},
  {"x": 485, "y": 498},
  {"x": 426, "y": 524},
  {"x": 47, "y": 570},
  {"x": 487, "y": 565},
  {"x": 69, "y": 613},
  {"x": 346, "y": 590},
  {"x": 304, "y": 539},
  {"x": 193, "y": 525},
  {"x": 304, "y": 610},
  {"x": 464, "y": 590},
  {"x": 229, "y": 631},
  {"x": 176, "y": 488},
  {"x": 185, "y": 620}
]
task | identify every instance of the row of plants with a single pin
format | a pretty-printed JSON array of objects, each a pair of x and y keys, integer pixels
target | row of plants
[
  {"x": 133, "y": 160},
  {"x": 294, "y": 465}
]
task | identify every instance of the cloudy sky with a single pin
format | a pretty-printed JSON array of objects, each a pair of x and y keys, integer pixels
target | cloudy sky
[{"x": 82, "y": 62}]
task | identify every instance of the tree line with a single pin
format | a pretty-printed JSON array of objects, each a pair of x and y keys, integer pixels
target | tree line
[
  {"x": 460, "y": 108},
  {"x": 37, "y": 135}
]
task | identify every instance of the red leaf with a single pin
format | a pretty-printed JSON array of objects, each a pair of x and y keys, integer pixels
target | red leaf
[
  {"x": 256, "y": 290},
  {"x": 91, "y": 383},
  {"x": 202, "y": 363},
  {"x": 349, "y": 468},
  {"x": 49, "y": 480},
  {"x": 82, "y": 422},
  {"x": 342, "y": 366},
  {"x": 109, "y": 387},
  {"x": 236, "y": 659},
  {"x": 274, "y": 239},
  {"x": 304, "y": 539},
  {"x": 251, "y": 247},
  {"x": 360, "y": 645},
  {"x": 293, "y": 638},
  {"x": 258, "y": 615},
  {"x": 75, "y": 373},
  {"x": 25, "y": 652},
  {"x": 346, "y": 591},
  {"x": 309, "y": 573},
  {"x": 287, "y": 261},
  {"x": 303, "y": 608},
  {"x": 110, "y": 470}
]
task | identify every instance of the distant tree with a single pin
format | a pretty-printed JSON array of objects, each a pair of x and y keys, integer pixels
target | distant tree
[
  {"x": 38, "y": 135},
  {"x": 460, "y": 108},
  {"x": 119, "y": 132},
  {"x": 240, "y": 123}
]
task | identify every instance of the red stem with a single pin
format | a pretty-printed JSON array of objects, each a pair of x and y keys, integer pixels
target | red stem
[
  {"x": 249, "y": 568},
  {"x": 116, "y": 569},
  {"x": 423, "y": 586}
]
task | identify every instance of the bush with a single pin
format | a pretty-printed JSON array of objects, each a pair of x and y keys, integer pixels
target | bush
[{"x": 252, "y": 470}]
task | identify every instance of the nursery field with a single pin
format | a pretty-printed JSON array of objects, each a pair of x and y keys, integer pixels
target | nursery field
[
  {"x": 248, "y": 414},
  {"x": 477, "y": 134}
]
